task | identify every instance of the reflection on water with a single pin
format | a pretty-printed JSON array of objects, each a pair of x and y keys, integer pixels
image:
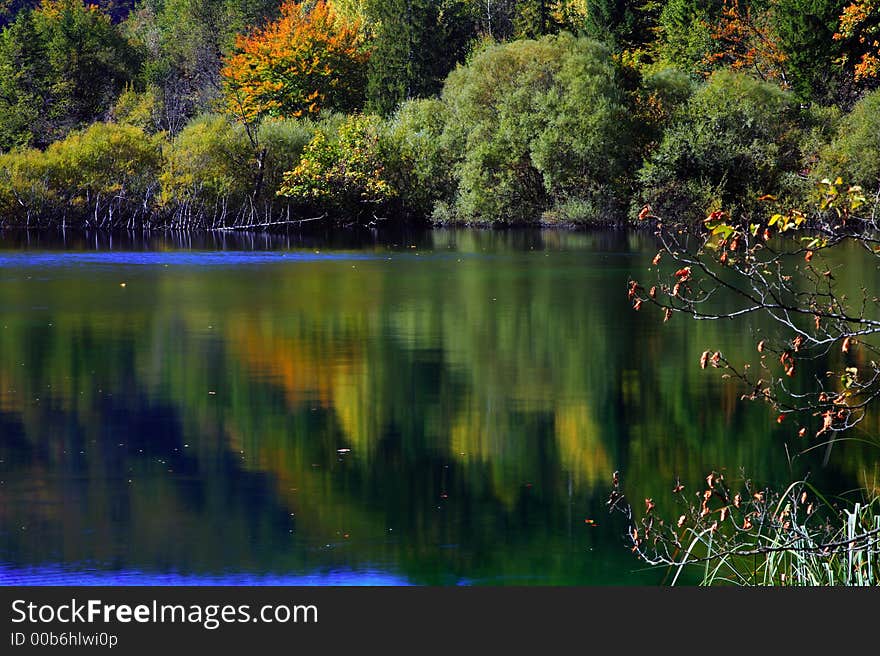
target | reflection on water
[{"x": 435, "y": 408}]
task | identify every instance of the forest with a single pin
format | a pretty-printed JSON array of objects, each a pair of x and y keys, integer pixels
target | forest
[{"x": 223, "y": 114}]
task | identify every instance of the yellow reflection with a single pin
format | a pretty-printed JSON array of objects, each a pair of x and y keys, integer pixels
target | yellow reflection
[{"x": 580, "y": 444}]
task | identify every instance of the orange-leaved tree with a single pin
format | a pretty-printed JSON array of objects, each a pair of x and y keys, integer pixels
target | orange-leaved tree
[
  {"x": 744, "y": 39},
  {"x": 860, "y": 26},
  {"x": 311, "y": 58}
]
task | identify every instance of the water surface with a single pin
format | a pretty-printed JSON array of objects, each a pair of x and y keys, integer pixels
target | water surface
[{"x": 441, "y": 408}]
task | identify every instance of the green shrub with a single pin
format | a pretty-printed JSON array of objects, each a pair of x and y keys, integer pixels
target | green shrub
[
  {"x": 735, "y": 139},
  {"x": 105, "y": 175},
  {"x": 419, "y": 162},
  {"x": 670, "y": 87},
  {"x": 659, "y": 97},
  {"x": 141, "y": 109},
  {"x": 209, "y": 167},
  {"x": 284, "y": 141},
  {"x": 342, "y": 171},
  {"x": 216, "y": 172},
  {"x": 535, "y": 123},
  {"x": 854, "y": 153}
]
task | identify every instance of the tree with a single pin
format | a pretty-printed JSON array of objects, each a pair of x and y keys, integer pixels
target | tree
[
  {"x": 183, "y": 44},
  {"x": 744, "y": 39},
  {"x": 25, "y": 86},
  {"x": 416, "y": 44},
  {"x": 535, "y": 18},
  {"x": 530, "y": 122},
  {"x": 685, "y": 33},
  {"x": 805, "y": 31},
  {"x": 494, "y": 18},
  {"x": 860, "y": 30},
  {"x": 91, "y": 60},
  {"x": 817, "y": 372},
  {"x": 116, "y": 9},
  {"x": 308, "y": 60},
  {"x": 64, "y": 64},
  {"x": 625, "y": 23}
]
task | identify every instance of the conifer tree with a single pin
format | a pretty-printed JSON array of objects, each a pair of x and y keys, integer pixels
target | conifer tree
[{"x": 417, "y": 43}]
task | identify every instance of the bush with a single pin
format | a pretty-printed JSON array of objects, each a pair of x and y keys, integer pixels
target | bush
[
  {"x": 142, "y": 109},
  {"x": 735, "y": 139},
  {"x": 660, "y": 96},
  {"x": 208, "y": 169},
  {"x": 536, "y": 123},
  {"x": 102, "y": 176},
  {"x": 284, "y": 141},
  {"x": 217, "y": 173},
  {"x": 419, "y": 161},
  {"x": 854, "y": 153},
  {"x": 342, "y": 171}
]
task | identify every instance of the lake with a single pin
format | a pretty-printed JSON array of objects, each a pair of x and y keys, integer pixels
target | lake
[{"x": 433, "y": 408}]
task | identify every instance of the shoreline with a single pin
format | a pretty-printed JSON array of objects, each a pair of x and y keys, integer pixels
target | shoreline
[{"x": 282, "y": 228}]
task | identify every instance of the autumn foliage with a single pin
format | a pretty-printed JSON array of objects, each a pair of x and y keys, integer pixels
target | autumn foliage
[
  {"x": 312, "y": 58},
  {"x": 860, "y": 24},
  {"x": 745, "y": 41}
]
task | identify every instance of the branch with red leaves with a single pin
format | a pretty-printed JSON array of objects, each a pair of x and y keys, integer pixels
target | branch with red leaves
[{"x": 818, "y": 368}]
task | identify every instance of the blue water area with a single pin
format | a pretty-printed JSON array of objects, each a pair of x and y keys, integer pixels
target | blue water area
[
  {"x": 177, "y": 258},
  {"x": 51, "y": 575}
]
